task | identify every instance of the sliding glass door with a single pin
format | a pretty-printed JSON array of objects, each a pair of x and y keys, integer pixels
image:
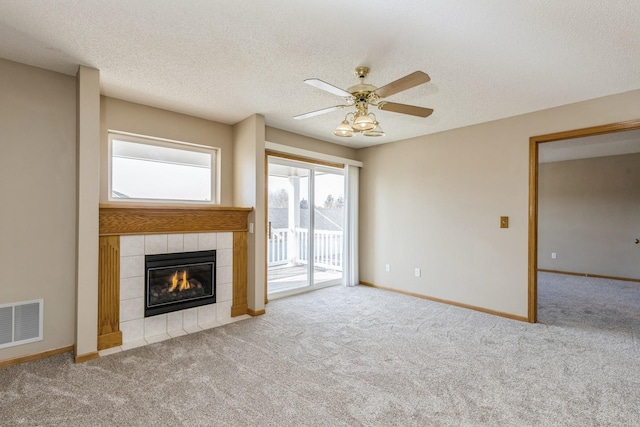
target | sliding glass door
[
  {"x": 305, "y": 226},
  {"x": 328, "y": 225},
  {"x": 287, "y": 227}
]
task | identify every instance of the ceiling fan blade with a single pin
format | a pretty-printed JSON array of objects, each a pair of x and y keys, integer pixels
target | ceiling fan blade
[
  {"x": 405, "y": 109},
  {"x": 326, "y": 86},
  {"x": 318, "y": 112},
  {"x": 407, "y": 82}
]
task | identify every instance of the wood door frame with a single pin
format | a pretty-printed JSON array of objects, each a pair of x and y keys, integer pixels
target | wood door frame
[{"x": 534, "y": 143}]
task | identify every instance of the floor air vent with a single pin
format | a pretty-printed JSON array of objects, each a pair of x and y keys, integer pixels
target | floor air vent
[{"x": 20, "y": 323}]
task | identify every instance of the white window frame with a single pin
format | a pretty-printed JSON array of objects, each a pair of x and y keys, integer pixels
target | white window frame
[{"x": 169, "y": 143}]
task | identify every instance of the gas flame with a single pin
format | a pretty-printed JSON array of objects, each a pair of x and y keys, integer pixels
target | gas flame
[
  {"x": 184, "y": 283},
  {"x": 180, "y": 284}
]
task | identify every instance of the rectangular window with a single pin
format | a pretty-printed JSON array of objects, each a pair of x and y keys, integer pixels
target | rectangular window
[{"x": 143, "y": 168}]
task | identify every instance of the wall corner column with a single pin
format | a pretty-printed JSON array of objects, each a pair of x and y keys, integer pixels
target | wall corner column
[
  {"x": 249, "y": 190},
  {"x": 88, "y": 201}
]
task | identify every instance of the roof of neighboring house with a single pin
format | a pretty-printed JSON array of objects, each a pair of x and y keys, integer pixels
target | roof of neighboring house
[{"x": 330, "y": 219}]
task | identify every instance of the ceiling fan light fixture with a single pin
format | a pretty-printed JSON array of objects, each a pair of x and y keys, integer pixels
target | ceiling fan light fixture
[
  {"x": 363, "y": 122},
  {"x": 344, "y": 129},
  {"x": 363, "y": 96},
  {"x": 376, "y": 131}
]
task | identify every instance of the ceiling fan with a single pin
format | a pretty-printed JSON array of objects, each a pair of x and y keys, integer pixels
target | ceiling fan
[{"x": 362, "y": 96}]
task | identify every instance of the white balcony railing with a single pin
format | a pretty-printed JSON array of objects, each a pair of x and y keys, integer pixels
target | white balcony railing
[
  {"x": 327, "y": 248},
  {"x": 277, "y": 247}
]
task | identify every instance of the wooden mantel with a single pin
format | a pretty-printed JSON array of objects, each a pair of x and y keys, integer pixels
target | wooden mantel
[
  {"x": 129, "y": 219},
  {"x": 126, "y": 218}
]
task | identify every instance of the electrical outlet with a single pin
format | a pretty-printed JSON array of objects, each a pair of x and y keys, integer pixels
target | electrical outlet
[
  {"x": 250, "y": 227},
  {"x": 417, "y": 272},
  {"x": 554, "y": 255},
  {"x": 387, "y": 267}
]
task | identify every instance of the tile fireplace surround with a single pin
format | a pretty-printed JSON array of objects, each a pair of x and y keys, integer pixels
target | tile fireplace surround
[
  {"x": 138, "y": 330},
  {"x": 129, "y": 233}
]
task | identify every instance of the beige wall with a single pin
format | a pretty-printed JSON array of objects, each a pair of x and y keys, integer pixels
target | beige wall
[
  {"x": 431, "y": 202},
  {"x": 589, "y": 215},
  {"x": 38, "y": 190},
  {"x": 304, "y": 142},
  {"x": 434, "y": 203},
  {"x": 140, "y": 119}
]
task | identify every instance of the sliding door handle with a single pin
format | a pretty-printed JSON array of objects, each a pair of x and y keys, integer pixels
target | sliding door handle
[{"x": 269, "y": 229}]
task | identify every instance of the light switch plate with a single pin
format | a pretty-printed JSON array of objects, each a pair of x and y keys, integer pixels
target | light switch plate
[{"x": 504, "y": 222}]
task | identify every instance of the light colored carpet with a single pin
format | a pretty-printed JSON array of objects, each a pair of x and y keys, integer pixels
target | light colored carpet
[{"x": 362, "y": 356}]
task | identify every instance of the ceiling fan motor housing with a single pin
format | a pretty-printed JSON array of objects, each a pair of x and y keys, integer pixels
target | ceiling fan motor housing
[{"x": 361, "y": 90}]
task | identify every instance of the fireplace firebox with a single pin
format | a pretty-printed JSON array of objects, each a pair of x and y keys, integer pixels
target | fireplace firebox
[{"x": 179, "y": 280}]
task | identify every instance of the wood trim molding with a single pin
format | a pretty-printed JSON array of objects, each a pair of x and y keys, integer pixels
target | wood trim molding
[
  {"x": 590, "y": 131},
  {"x": 304, "y": 159},
  {"x": 266, "y": 227},
  {"x": 109, "y": 334},
  {"x": 35, "y": 356},
  {"x": 113, "y": 339},
  {"x": 239, "y": 310},
  {"x": 150, "y": 219},
  {"x": 81, "y": 358},
  {"x": 444, "y": 301},
  {"x": 256, "y": 312},
  {"x": 532, "y": 304},
  {"x": 275, "y": 147},
  {"x": 240, "y": 263},
  {"x": 597, "y": 276},
  {"x": 534, "y": 141}
]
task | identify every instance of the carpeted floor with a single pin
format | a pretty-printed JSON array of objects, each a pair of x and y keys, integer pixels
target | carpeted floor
[{"x": 362, "y": 356}]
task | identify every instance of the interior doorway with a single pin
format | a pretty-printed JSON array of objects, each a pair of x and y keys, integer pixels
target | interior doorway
[
  {"x": 534, "y": 156},
  {"x": 305, "y": 226}
]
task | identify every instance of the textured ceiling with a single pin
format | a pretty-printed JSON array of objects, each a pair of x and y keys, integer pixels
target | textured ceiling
[{"x": 226, "y": 60}]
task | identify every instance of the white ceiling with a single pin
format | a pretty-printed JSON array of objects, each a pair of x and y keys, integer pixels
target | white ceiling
[{"x": 228, "y": 59}]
